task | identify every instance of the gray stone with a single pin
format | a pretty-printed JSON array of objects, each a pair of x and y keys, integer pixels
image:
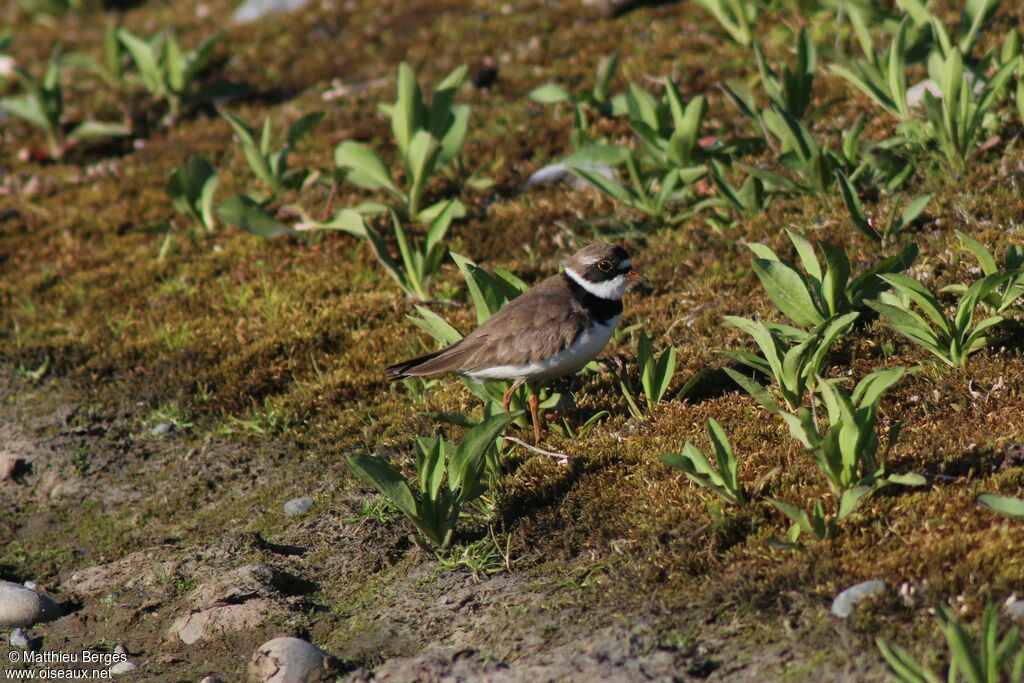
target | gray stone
[
  {"x": 290, "y": 660},
  {"x": 218, "y": 621},
  {"x": 254, "y": 10},
  {"x": 1014, "y": 608},
  {"x": 20, "y": 639},
  {"x": 844, "y": 603},
  {"x": 21, "y": 606},
  {"x": 161, "y": 429},
  {"x": 556, "y": 173},
  {"x": 122, "y": 668},
  {"x": 298, "y": 506}
]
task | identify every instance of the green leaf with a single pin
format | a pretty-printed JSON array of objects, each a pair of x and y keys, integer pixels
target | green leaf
[
  {"x": 366, "y": 170},
  {"x": 853, "y": 205},
  {"x": 550, "y": 93},
  {"x": 385, "y": 479},
  {"x": 985, "y": 258},
  {"x": 409, "y": 114},
  {"x": 1004, "y": 505},
  {"x": 788, "y": 289},
  {"x": 246, "y": 214},
  {"x": 466, "y": 464},
  {"x": 98, "y": 129}
]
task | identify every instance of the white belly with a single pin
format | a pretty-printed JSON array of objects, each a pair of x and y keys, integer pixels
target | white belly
[{"x": 584, "y": 349}]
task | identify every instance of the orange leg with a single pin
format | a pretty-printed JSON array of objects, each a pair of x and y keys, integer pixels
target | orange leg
[
  {"x": 534, "y": 414},
  {"x": 508, "y": 394}
]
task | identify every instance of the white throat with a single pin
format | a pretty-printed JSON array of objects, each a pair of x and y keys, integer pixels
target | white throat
[{"x": 612, "y": 290}]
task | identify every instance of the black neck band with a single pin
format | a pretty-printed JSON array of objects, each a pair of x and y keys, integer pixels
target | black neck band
[{"x": 601, "y": 310}]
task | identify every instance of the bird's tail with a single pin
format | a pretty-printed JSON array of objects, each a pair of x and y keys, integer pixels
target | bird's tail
[{"x": 412, "y": 368}]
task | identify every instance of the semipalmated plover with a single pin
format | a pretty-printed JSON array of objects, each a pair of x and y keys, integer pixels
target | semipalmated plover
[{"x": 552, "y": 330}]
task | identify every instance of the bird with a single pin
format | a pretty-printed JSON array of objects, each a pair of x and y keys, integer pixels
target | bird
[{"x": 550, "y": 331}]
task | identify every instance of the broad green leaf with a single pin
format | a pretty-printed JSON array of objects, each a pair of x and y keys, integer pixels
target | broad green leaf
[
  {"x": 366, "y": 170},
  {"x": 550, "y": 93},
  {"x": 98, "y": 129},
  {"x": 244, "y": 213},
  {"x": 385, "y": 479},
  {"x": 466, "y": 464},
  {"x": 1004, "y": 505},
  {"x": 788, "y": 289}
]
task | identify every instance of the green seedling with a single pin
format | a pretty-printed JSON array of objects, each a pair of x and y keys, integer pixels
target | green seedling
[
  {"x": 650, "y": 196},
  {"x": 270, "y": 165},
  {"x": 960, "y": 121},
  {"x": 990, "y": 659},
  {"x": 794, "y": 368},
  {"x": 897, "y": 220},
  {"x": 111, "y": 67},
  {"x": 429, "y": 136},
  {"x": 191, "y": 189},
  {"x": 747, "y": 200},
  {"x": 812, "y": 296},
  {"x": 723, "y": 480},
  {"x": 1004, "y": 505},
  {"x": 655, "y": 376},
  {"x": 669, "y": 130},
  {"x": 952, "y": 340},
  {"x": 42, "y": 106},
  {"x": 596, "y": 99},
  {"x": 435, "y": 508},
  {"x": 845, "y": 451},
  {"x": 737, "y": 17},
  {"x": 168, "y": 72},
  {"x": 882, "y": 76},
  {"x": 1003, "y": 298},
  {"x": 790, "y": 90}
]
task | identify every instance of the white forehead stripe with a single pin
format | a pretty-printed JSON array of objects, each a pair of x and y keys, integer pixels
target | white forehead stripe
[{"x": 611, "y": 290}]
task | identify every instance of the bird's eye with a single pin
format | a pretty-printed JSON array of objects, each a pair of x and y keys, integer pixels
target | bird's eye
[{"x": 604, "y": 266}]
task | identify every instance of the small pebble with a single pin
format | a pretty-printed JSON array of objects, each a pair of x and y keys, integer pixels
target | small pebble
[
  {"x": 120, "y": 649},
  {"x": 283, "y": 660},
  {"x": 31, "y": 585},
  {"x": 1014, "y": 608},
  {"x": 122, "y": 668},
  {"x": 212, "y": 679},
  {"x": 844, "y": 603},
  {"x": 161, "y": 429},
  {"x": 20, "y": 639},
  {"x": 298, "y": 506}
]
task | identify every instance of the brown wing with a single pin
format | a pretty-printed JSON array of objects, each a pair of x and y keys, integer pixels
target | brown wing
[{"x": 538, "y": 324}]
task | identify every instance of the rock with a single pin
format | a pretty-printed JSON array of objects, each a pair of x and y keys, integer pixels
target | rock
[
  {"x": 20, "y": 639},
  {"x": 161, "y": 429},
  {"x": 216, "y": 621},
  {"x": 844, "y": 603},
  {"x": 122, "y": 668},
  {"x": 290, "y": 660},
  {"x": 298, "y": 506},
  {"x": 1014, "y": 608},
  {"x": 139, "y": 568},
  {"x": 212, "y": 679},
  {"x": 21, "y": 606},
  {"x": 120, "y": 649},
  {"x": 254, "y": 10},
  {"x": 556, "y": 173}
]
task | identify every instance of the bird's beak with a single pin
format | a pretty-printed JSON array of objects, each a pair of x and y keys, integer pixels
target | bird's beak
[{"x": 636, "y": 280}]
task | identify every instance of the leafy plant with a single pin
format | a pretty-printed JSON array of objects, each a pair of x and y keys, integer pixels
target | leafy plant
[
  {"x": 596, "y": 99},
  {"x": 960, "y": 119},
  {"x": 747, "y": 200},
  {"x": 790, "y": 90},
  {"x": 737, "y": 17},
  {"x": 1004, "y": 505},
  {"x": 1003, "y": 297},
  {"x": 42, "y": 106},
  {"x": 793, "y": 368},
  {"x": 846, "y": 451},
  {"x": 655, "y": 376},
  {"x": 168, "y": 71},
  {"x": 990, "y": 659},
  {"x": 191, "y": 188},
  {"x": 271, "y": 166},
  {"x": 435, "y": 508},
  {"x": 723, "y": 480},
  {"x": 670, "y": 157},
  {"x": 428, "y": 134},
  {"x": 952, "y": 340},
  {"x": 894, "y": 225},
  {"x": 419, "y": 262},
  {"x": 881, "y": 75},
  {"x": 811, "y": 297}
]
